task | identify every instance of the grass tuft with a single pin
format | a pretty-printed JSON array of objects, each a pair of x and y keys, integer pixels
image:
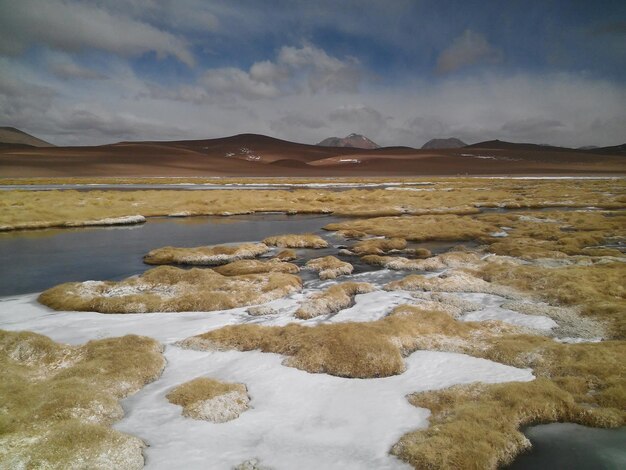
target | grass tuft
[
  {"x": 251, "y": 266},
  {"x": 329, "y": 267},
  {"x": 58, "y": 401},
  {"x": 210, "y": 400},
  {"x": 303, "y": 240},
  {"x": 332, "y": 300},
  {"x": 169, "y": 289},
  {"x": 205, "y": 255},
  {"x": 378, "y": 246}
]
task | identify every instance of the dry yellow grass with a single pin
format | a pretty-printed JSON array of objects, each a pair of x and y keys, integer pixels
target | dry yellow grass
[
  {"x": 58, "y": 401},
  {"x": 205, "y": 255},
  {"x": 302, "y": 240},
  {"x": 557, "y": 234},
  {"x": 329, "y": 267},
  {"x": 357, "y": 350},
  {"x": 25, "y": 209},
  {"x": 378, "y": 246},
  {"x": 419, "y": 228},
  {"x": 287, "y": 255},
  {"x": 456, "y": 281},
  {"x": 210, "y": 399},
  {"x": 478, "y": 426},
  {"x": 600, "y": 289},
  {"x": 332, "y": 300},
  {"x": 169, "y": 289},
  {"x": 252, "y": 266},
  {"x": 453, "y": 259}
]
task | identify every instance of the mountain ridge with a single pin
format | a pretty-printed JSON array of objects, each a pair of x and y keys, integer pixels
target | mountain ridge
[{"x": 353, "y": 140}]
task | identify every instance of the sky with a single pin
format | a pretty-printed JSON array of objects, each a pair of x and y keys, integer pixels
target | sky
[{"x": 401, "y": 72}]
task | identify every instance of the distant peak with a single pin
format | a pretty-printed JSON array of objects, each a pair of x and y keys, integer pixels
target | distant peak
[
  {"x": 14, "y": 136},
  {"x": 449, "y": 143},
  {"x": 353, "y": 140}
]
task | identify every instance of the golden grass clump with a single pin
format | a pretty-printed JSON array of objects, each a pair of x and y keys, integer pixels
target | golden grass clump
[
  {"x": 456, "y": 281},
  {"x": 170, "y": 289},
  {"x": 332, "y": 300},
  {"x": 453, "y": 259},
  {"x": 378, "y": 246},
  {"x": 58, "y": 401},
  {"x": 419, "y": 228},
  {"x": 287, "y": 255},
  {"x": 210, "y": 399},
  {"x": 252, "y": 266},
  {"x": 557, "y": 234},
  {"x": 205, "y": 255},
  {"x": 303, "y": 240},
  {"x": 600, "y": 289},
  {"x": 329, "y": 267},
  {"x": 477, "y": 426},
  {"x": 356, "y": 350}
]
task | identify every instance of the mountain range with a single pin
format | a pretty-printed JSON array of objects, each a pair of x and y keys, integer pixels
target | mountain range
[
  {"x": 357, "y": 141},
  {"x": 10, "y": 136},
  {"x": 259, "y": 155}
]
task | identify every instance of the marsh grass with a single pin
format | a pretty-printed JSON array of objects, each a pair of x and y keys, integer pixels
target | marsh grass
[
  {"x": 355, "y": 350},
  {"x": 25, "y": 209},
  {"x": 329, "y": 267},
  {"x": 378, "y": 246},
  {"x": 169, "y": 289},
  {"x": 205, "y": 255},
  {"x": 58, "y": 401},
  {"x": 418, "y": 228},
  {"x": 453, "y": 259},
  {"x": 287, "y": 255},
  {"x": 454, "y": 281},
  {"x": 250, "y": 266},
  {"x": 332, "y": 300},
  {"x": 210, "y": 399},
  {"x": 303, "y": 240},
  {"x": 599, "y": 290},
  {"x": 478, "y": 426},
  {"x": 557, "y": 234}
]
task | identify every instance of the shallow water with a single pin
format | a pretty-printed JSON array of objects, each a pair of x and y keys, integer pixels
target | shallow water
[
  {"x": 573, "y": 447},
  {"x": 202, "y": 186},
  {"x": 33, "y": 261}
]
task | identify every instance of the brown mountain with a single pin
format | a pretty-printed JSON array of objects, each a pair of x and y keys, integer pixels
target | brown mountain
[
  {"x": 258, "y": 155},
  {"x": 357, "y": 141},
  {"x": 10, "y": 136}
]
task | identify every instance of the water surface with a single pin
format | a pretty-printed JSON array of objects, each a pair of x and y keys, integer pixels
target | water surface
[{"x": 567, "y": 446}]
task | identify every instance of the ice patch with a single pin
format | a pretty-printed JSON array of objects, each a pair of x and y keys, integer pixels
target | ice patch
[{"x": 297, "y": 420}]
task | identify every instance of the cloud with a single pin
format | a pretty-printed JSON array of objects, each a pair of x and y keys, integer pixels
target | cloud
[
  {"x": 323, "y": 72},
  {"x": 67, "y": 69},
  {"x": 20, "y": 100},
  {"x": 360, "y": 119},
  {"x": 468, "y": 49},
  {"x": 531, "y": 127},
  {"x": 75, "y": 26},
  {"x": 294, "y": 70}
]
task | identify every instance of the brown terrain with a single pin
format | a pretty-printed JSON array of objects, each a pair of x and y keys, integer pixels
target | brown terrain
[{"x": 258, "y": 155}]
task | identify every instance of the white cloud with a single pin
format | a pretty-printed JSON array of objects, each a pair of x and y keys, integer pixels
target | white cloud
[
  {"x": 64, "y": 67},
  {"x": 468, "y": 49},
  {"x": 75, "y": 26},
  {"x": 295, "y": 70}
]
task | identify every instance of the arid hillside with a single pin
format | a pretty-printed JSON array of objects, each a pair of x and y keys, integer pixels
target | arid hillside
[{"x": 258, "y": 155}]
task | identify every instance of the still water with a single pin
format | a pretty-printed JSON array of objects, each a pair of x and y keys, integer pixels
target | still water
[{"x": 567, "y": 446}]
